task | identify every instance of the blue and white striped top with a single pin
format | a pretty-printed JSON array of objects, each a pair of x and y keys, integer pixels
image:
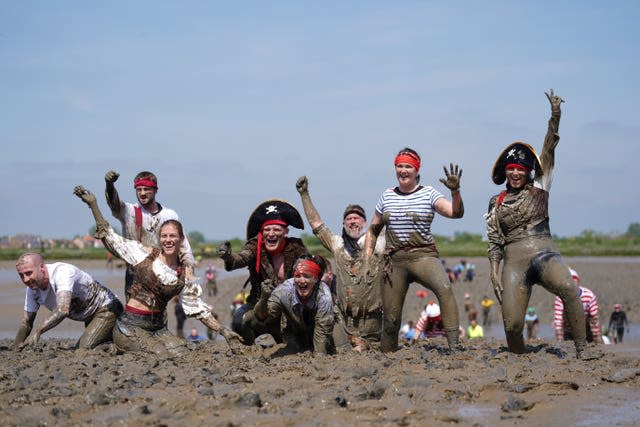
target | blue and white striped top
[{"x": 408, "y": 217}]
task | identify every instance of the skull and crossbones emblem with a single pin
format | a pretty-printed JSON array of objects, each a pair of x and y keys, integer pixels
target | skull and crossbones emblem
[{"x": 271, "y": 209}]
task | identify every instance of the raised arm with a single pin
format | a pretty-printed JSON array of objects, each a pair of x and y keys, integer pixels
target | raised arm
[
  {"x": 455, "y": 207},
  {"x": 90, "y": 199},
  {"x": 302, "y": 185},
  {"x": 551, "y": 139},
  {"x": 113, "y": 199},
  {"x": 372, "y": 234}
]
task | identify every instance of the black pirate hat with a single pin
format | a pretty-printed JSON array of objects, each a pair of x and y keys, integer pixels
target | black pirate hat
[
  {"x": 273, "y": 210},
  {"x": 519, "y": 153}
]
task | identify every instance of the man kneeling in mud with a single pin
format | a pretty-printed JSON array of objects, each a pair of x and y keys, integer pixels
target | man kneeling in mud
[
  {"x": 68, "y": 292},
  {"x": 306, "y": 303}
]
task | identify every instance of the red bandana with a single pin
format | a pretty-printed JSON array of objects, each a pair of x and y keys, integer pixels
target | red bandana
[
  {"x": 516, "y": 166},
  {"x": 144, "y": 182},
  {"x": 309, "y": 267},
  {"x": 408, "y": 158}
]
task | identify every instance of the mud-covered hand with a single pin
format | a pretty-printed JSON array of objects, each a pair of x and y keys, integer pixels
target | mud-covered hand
[
  {"x": 452, "y": 177},
  {"x": 85, "y": 195},
  {"x": 302, "y": 184},
  {"x": 554, "y": 100},
  {"x": 233, "y": 340},
  {"x": 32, "y": 341},
  {"x": 266, "y": 287},
  {"x": 496, "y": 281},
  {"x": 224, "y": 249},
  {"x": 111, "y": 177}
]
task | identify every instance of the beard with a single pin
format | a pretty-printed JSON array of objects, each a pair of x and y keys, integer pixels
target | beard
[{"x": 354, "y": 233}]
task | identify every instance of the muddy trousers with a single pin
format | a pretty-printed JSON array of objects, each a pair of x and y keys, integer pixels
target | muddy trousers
[
  {"x": 99, "y": 328},
  {"x": 535, "y": 261},
  {"x": 424, "y": 267},
  {"x": 347, "y": 328},
  {"x": 147, "y": 334}
]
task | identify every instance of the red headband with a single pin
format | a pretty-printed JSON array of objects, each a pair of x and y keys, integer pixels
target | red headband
[
  {"x": 144, "y": 182},
  {"x": 516, "y": 166},
  {"x": 408, "y": 158},
  {"x": 308, "y": 266},
  {"x": 280, "y": 247}
]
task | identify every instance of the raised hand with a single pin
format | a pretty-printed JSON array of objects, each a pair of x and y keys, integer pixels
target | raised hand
[
  {"x": 266, "y": 288},
  {"x": 554, "y": 100},
  {"x": 85, "y": 195},
  {"x": 111, "y": 176},
  {"x": 452, "y": 177},
  {"x": 224, "y": 249},
  {"x": 302, "y": 185}
]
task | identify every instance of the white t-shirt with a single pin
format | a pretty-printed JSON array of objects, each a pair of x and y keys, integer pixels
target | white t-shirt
[
  {"x": 87, "y": 296},
  {"x": 149, "y": 232}
]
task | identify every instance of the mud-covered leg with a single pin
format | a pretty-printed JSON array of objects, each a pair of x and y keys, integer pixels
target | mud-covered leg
[
  {"x": 393, "y": 293},
  {"x": 430, "y": 273},
  {"x": 556, "y": 278},
  {"x": 100, "y": 328},
  {"x": 515, "y": 298}
]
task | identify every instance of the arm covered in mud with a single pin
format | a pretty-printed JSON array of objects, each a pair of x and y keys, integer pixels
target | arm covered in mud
[
  {"x": 26, "y": 325},
  {"x": 111, "y": 194},
  {"x": 495, "y": 248},
  {"x": 130, "y": 251},
  {"x": 244, "y": 258},
  {"x": 455, "y": 207},
  {"x": 315, "y": 221},
  {"x": 324, "y": 321},
  {"x": 63, "y": 299},
  {"x": 551, "y": 139},
  {"x": 372, "y": 235}
]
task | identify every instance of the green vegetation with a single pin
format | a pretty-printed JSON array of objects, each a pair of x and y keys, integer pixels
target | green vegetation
[{"x": 588, "y": 243}]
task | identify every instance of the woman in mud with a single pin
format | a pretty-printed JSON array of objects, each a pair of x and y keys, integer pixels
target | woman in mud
[
  {"x": 407, "y": 212},
  {"x": 159, "y": 275},
  {"x": 519, "y": 234}
]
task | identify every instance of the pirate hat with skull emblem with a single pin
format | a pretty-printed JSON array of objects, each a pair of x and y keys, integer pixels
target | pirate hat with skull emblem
[
  {"x": 273, "y": 210},
  {"x": 519, "y": 153}
]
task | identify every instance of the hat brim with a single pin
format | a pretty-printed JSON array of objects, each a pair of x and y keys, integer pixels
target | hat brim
[
  {"x": 498, "y": 173},
  {"x": 288, "y": 213}
]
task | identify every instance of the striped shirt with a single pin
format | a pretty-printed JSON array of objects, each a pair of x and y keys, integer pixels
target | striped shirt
[
  {"x": 590, "y": 306},
  {"x": 408, "y": 217}
]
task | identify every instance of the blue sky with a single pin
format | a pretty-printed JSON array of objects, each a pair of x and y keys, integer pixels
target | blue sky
[{"x": 229, "y": 103}]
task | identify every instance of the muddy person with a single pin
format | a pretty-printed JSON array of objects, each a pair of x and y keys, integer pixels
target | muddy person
[
  {"x": 141, "y": 221},
  {"x": 159, "y": 274},
  {"x": 357, "y": 296},
  {"x": 68, "y": 292},
  {"x": 520, "y": 238},
  {"x": 591, "y": 314},
  {"x": 407, "y": 211},
  {"x": 269, "y": 254},
  {"x": 305, "y": 301}
]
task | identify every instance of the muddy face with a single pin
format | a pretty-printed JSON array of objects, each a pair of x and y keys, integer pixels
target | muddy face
[
  {"x": 146, "y": 195},
  {"x": 274, "y": 237},
  {"x": 354, "y": 225}
]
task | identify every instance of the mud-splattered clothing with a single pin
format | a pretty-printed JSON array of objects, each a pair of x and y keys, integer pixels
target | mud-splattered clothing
[
  {"x": 293, "y": 249},
  {"x": 154, "y": 284},
  {"x": 518, "y": 234},
  {"x": 408, "y": 216},
  {"x": 87, "y": 295},
  {"x": 413, "y": 257},
  {"x": 359, "y": 301},
  {"x": 591, "y": 311},
  {"x": 309, "y": 323}
]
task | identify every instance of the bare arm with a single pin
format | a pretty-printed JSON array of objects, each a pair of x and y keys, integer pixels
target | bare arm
[
  {"x": 551, "y": 139},
  {"x": 24, "y": 329},
  {"x": 90, "y": 199}
]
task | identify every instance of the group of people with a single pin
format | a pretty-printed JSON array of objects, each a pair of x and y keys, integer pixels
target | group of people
[{"x": 292, "y": 296}]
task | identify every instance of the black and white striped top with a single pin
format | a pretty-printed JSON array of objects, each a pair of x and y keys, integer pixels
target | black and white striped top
[{"x": 408, "y": 216}]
